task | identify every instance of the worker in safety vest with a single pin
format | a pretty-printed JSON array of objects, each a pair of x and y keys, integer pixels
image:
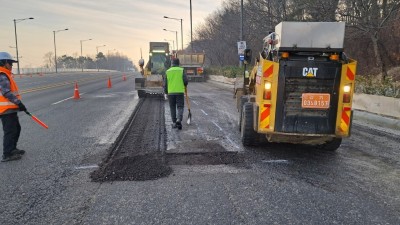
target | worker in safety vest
[
  {"x": 10, "y": 104},
  {"x": 175, "y": 84}
]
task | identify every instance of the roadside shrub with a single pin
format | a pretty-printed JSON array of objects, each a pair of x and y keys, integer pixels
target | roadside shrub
[
  {"x": 227, "y": 71},
  {"x": 366, "y": 84},
  {"x": 373, "y": 85}
]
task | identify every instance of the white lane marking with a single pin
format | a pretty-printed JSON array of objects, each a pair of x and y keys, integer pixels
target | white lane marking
[
  {"x": 275, "y": 161},
  {"x": 206, "y": 169},
  {"x": 55, "y": 103},
  {"x": 194, "y": 102},
  {"x": 217, "y": 125},
  {"x": 233, "y": 143},
  {"x": 86, "y": 167},
  {"x": 204, "y": 112}
]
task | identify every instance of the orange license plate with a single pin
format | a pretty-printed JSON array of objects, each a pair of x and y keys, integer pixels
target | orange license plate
[{"x": 315, "y": 100}]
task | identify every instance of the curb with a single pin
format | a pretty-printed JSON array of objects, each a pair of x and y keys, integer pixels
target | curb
[{"x": 376, "y": 120}]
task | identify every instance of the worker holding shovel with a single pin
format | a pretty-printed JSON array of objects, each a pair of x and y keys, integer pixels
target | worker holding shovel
[
  {"x": 10, "y": 104},
  {"x": 175, "y": 85}
]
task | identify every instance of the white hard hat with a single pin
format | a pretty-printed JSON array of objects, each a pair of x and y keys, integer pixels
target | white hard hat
[{"x": 6, "y": 56}]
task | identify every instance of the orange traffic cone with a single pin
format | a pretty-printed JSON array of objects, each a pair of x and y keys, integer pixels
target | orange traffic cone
[
  {"x": 109, "y": 82},
  {"x": 76, "y": 92},
  {"x": 124, "y": 77}
]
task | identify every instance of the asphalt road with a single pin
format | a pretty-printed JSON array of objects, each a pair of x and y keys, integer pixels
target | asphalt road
[
  {"x": 274, "y": 184},
  {"x": 47, "y": 185}
]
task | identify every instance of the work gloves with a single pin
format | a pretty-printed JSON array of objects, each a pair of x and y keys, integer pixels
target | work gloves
[{"x": 22, "y": 107}]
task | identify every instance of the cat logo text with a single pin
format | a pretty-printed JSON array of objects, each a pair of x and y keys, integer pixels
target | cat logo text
[{"x": 310, "y": 72}]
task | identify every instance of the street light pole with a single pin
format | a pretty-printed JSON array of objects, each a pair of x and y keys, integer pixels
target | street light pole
[
  {"x": 241, "y": 27},
  {"x": 81, "y": 50},
  {"x": 16, "y": 39},
  {"x": 176, "y": 36},
  {"x": 97, "y": 51},
  {"x": 55, "y": 49},
  {"x": 181, "y": 35},
  {"x": 241, "y": 20},
  {"x": 191, "y": 34},
  {"x": 181, "y": 30}
]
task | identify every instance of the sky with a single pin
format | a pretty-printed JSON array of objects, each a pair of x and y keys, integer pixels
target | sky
[{"x": 124, "y": 26}]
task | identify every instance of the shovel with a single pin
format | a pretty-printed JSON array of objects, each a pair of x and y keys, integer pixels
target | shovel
[
  {"x": 188, "y": 106},
  {"x": 37, "y": 120}
]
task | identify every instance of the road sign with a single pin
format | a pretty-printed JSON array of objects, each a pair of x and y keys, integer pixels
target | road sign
[
  {"x": 241, "y": 47},
  {"x": 241, "y": 57}
]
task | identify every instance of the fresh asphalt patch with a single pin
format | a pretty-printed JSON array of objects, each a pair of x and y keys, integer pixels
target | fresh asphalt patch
[
  {"x": 133, "y": 168},
  {"x": 205, "y": 158},
  {"x": 139, "y": 152}
]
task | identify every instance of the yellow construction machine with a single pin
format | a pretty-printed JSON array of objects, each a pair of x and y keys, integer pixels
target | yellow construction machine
[
  {"x": 301, "y": 88},
  {"x": 153, "y": 73}
]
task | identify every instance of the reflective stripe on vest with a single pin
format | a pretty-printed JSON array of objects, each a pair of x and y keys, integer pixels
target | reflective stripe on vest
[
  {"x": 175, "y": 80},
  {"x": 5, "y": 104},
  {"x": 12, "y": 92}
]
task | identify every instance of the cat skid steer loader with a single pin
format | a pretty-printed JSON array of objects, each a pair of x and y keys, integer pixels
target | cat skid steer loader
[{"x": 301, "y": 88}]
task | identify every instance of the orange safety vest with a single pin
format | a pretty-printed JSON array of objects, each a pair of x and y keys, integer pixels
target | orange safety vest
[{"x": 5, "y": 104}]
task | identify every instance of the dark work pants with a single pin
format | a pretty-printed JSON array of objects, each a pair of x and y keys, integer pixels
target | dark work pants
[
  {"x": 176, "y": 101},
  {"x": 12, "y": 130}
]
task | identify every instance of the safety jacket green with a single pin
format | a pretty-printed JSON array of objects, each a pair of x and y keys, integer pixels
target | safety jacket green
[{"x": 175, "y": 80}]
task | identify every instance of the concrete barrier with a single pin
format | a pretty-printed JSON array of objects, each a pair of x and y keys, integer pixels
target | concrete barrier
[
  {"x": 222, "y": 79},
  {"x": 377, "y": 104}
]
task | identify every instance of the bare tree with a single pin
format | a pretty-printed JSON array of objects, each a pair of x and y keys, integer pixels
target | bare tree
[
  {"x": 372, "y": 32},
  {"x": 370, "y": 18},
  {"x": 48, "y": 60}
]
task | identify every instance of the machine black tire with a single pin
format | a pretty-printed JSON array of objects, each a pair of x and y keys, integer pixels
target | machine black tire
[
  {"x": 331, "y": 145},
  {"x": 142, "y": 93},
  {"x": 243, "y": 99},
  {"x": 248, "y": 135}
]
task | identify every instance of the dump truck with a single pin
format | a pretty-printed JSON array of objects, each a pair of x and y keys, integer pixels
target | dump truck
[
  {"x": 192, "y": 64},
  {"x": 154, "y": 71},
  {"x": 300, "y": 89}
]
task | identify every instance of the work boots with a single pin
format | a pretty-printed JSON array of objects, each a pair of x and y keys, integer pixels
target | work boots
[
  {"x": 178, "y": 124},
  {"x": 17, "y": 151},
  {"x": 11, "y": 158},
  {"x": 15, "y": 154}
]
